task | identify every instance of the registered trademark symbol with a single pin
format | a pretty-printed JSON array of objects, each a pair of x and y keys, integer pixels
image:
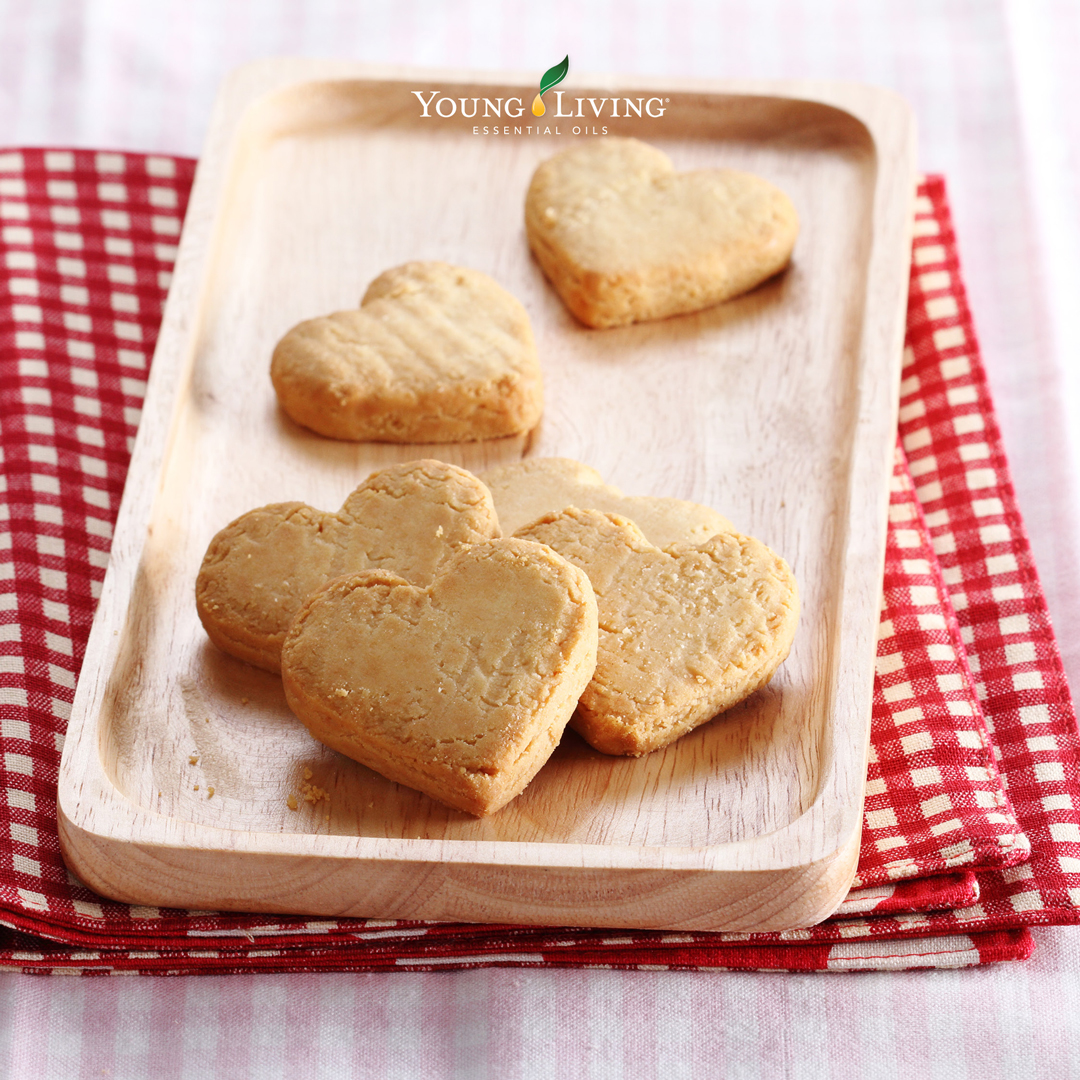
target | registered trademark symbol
[{"x": 667, "y": 101}]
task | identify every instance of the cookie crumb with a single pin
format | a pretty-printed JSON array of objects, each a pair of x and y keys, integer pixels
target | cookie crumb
[
  {"x": 312, "y": 793},
  {"x": 439, "y": 531},
  {"x": 243, "y": 701},
  {"x": 341, "y": 692},
  {"x": 209, "y": 792},
  {"x": 193, "y": 760},
  {"x": 196, "y": 787},
  {"x": 290, "y": 801}
]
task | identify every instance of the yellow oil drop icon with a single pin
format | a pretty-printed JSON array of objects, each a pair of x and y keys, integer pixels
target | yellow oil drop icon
[{"x": 538, "y": 106}]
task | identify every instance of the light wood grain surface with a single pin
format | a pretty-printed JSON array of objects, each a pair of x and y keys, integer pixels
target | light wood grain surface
[{"x": 777, "y": 409}]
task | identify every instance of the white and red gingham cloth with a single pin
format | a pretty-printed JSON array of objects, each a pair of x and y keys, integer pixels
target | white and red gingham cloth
[{"x": 972, "y": 821}]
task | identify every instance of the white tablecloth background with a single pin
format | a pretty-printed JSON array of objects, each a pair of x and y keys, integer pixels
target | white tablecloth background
[{"x": 994, "y": 84}]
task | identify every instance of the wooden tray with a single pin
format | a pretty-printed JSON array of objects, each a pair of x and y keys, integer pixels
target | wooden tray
[{"x": 778, "y": 409}]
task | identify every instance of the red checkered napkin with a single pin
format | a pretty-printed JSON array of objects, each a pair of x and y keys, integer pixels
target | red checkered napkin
[{"x": 86, "y": 244}]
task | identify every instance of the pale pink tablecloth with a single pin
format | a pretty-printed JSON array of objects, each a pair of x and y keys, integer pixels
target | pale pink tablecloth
[{"x": 992, "y": 84}]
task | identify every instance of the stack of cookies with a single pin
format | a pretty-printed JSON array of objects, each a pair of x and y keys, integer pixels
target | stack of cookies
[{"x": 412, "y": 636}]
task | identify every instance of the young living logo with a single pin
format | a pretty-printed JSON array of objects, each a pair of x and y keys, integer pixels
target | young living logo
[{"x": 513, "y": 108}]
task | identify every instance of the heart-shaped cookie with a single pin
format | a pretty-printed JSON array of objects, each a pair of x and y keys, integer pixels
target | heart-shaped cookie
[
  {"x": 529, "y": 489},
  {"x": 259, "y": 569},
  {"x": 624, "y": 238},
  {"x": 461, "y": 689},
  {"x": 435, "y": 353},
  {"x": 684, "y": 633}
]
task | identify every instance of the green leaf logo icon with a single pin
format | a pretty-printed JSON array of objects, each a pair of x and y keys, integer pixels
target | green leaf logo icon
[{"x": 552, "y": 77}]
